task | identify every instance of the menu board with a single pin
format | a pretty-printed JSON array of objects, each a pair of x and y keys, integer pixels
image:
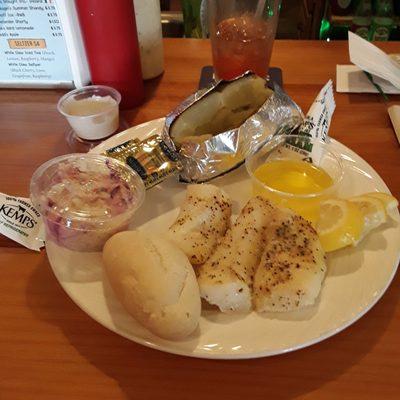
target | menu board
[{"x": 33, "y": 49}]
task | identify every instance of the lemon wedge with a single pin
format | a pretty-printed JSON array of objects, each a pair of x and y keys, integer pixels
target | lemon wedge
[
  {"x": 340, "y": 224},
  {"x": 389, "y": 202},
  {"x": 373, "y": 211}
]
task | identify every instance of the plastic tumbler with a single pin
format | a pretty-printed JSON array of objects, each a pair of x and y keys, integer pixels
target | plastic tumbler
[{"x": 242, "y": 34}]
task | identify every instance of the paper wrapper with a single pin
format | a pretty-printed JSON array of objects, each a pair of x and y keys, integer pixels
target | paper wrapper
[
  {"x": 21, "y": 222},
  {"x": 316, "y": 123},
  {"x": 228, "y": 150},
  {"x": 319, "y": 116}
]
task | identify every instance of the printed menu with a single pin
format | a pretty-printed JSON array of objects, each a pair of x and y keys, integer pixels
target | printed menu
[{"x": 33, "y": 47}]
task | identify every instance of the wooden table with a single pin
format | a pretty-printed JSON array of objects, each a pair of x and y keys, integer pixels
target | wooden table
[{"x": 50, "y": 349}]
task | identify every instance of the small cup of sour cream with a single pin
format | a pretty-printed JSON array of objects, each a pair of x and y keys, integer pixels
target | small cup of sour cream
[{"x": 92, "y": 111}]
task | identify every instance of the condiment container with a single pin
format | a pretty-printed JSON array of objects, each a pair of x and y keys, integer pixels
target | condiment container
[
  {"x": 92, "y": 111},
  {"x": 300, "y": 148},
  {"x": 84, "y": 199}
]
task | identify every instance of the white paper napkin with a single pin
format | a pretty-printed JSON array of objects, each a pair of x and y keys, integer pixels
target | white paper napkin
[
  {"x": 373, "y": 60},
  {"x": 351, "y": 79},
  {"x": 367, "y": 57}
]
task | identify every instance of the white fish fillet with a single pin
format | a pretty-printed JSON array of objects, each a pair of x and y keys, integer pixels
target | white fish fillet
[
  {"x": 226, "y": 278},
  {"x": 292, "y": 267},
  {"x": 203, "y": 219}
]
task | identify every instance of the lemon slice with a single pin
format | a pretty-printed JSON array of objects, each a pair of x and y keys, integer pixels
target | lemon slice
[
  {"x": 340, "y": 224},
  {"x": 389, "y": 202},
  {"x": 373, "y": 211}
]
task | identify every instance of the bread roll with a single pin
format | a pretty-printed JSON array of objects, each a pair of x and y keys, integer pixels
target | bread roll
[{"x": 155, "y": 282}]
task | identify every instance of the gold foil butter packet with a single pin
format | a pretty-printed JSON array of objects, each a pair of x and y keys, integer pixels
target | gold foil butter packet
[{"x": 151, "y": 158}]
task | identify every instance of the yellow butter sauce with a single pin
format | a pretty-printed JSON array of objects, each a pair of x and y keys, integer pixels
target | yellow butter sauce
[
  {"x": 295, "y": 184},
  {"x": 293, "y": 176}
]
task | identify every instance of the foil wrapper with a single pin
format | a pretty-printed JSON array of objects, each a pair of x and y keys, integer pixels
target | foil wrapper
[
  {"x": 226, "y": 151},
  {"x": 151, "y": 158}
]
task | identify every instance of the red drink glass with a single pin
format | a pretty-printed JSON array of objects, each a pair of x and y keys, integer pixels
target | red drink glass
[{"x": 242, "y": 34}]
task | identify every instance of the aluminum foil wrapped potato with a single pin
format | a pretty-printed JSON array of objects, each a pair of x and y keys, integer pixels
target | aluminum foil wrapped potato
[
  {"x": 215, "y": 129},
  {"x": 212, "y": 131},
  {"x": 218, "y": 111}
]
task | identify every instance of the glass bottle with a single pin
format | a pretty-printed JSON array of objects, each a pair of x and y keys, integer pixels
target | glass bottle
[
  {"x": 382, "y": 23},
  {"x": 362, "y": 19}
]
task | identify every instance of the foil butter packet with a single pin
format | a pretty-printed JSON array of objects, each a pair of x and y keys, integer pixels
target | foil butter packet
[
  {"x": 209, "y": 156},
  {"x": 151, "y": 158},
  {"x": 21, "y": 222}
]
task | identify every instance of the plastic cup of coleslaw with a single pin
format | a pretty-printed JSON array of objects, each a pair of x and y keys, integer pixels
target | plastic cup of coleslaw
[{"x": 84, "y": 199}]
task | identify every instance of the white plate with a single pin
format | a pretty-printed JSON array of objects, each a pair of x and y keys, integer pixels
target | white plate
[{"x": 356, "y": 280}]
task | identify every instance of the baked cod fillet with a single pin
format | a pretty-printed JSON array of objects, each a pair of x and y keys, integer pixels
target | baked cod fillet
[
  {"x": 292, "y": 266},
  {"x": 226, "y": 278},
  {"x": 203, "y": 219}
]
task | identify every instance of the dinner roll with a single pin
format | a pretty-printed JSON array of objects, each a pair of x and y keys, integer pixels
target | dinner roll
[{"x": 154, "y": 281}]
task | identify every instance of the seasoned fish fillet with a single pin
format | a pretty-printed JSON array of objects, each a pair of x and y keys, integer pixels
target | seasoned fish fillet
[
  {"x": 203, "y": 219},
  {"x": 226, "y": 277},
  {"x": 292, "y": 266}
]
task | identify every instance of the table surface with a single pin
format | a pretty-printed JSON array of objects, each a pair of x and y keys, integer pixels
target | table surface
[{"x": 50, "y": 349}]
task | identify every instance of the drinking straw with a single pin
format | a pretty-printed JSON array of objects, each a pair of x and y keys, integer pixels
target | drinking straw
[{"x": 260, "y": 8}]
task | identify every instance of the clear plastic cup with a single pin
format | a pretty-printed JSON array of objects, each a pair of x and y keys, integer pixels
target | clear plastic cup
[
  {"x": 242, "y": 35},
  {"x": 92, "y": 111},
  {"x": 283, "y": 147},
  {"x": 84, "y": 199}
]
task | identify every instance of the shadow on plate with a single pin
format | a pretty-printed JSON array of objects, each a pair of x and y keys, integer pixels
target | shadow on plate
[
  {"x": 75, "y": 266},
  {"x": 350, "y": 259},
  {"x": 148, "y": 374},
  {"x": 216, "y": 316},
  {"x": 304, "y": 314},
  {"x": 160, "y": 200},
  {"x": 233, "y": 176}
]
